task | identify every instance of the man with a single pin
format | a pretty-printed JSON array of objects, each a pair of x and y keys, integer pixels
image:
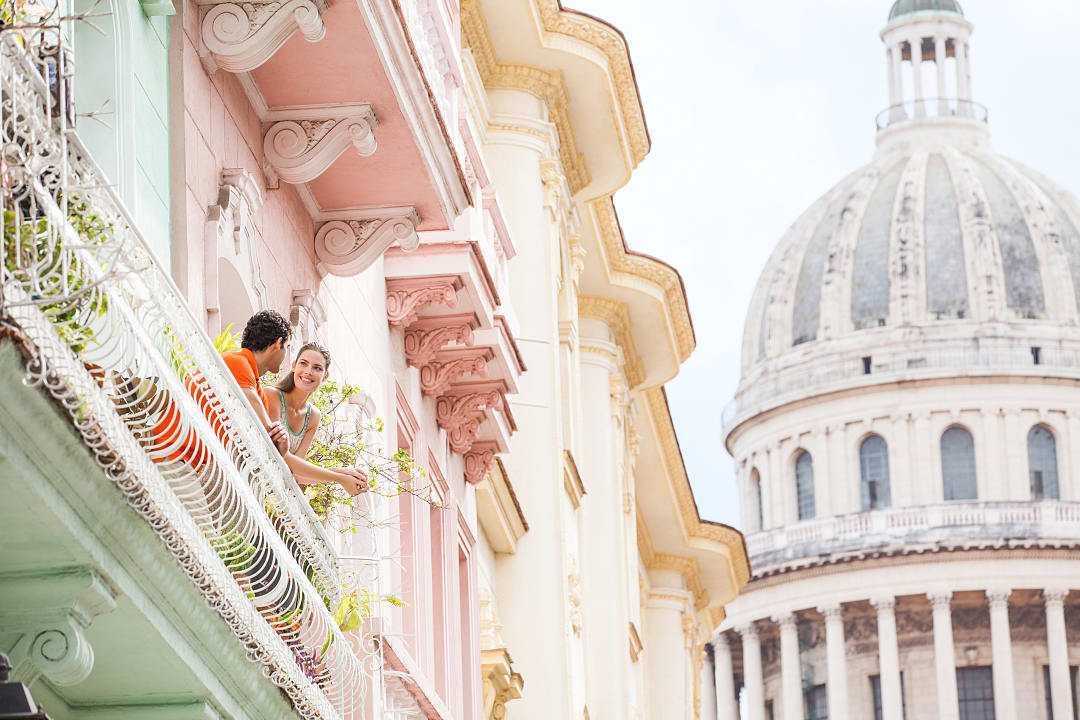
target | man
[{"x": 262, "y": 350}]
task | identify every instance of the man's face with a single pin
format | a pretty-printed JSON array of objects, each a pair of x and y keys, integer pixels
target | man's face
[{"x": 277, "y": 357}]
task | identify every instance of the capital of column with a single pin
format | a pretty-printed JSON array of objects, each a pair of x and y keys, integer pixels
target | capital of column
[
  {"x": 941, "y": 600},
  {"x": 832, "y": 613},
  {"x": 747, "y": 631},
  {"x": 999, "y": 598},
  {"x": 786, "y": 621},
  {"x": 1055, "y": 596},
  {"x": 720, "y": 641},
  {"x": 884, "y": 604}
]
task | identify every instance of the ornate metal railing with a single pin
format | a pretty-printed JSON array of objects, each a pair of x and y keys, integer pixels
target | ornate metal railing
[
  {"x": 108, "y": 335},
  {"x": 912, "y": 527},
  {"x": 931, "y": 108},
  {"x": 817, "y": 375}
]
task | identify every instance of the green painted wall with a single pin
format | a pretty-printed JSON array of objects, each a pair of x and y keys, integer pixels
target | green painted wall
[{"x": 122, "y": 76}]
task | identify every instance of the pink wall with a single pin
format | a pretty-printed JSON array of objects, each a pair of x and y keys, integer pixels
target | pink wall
[{"x": 214, "y": 127}]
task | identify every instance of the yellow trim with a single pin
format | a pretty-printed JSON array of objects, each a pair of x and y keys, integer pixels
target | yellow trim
[{"x": 617, "y": 317}]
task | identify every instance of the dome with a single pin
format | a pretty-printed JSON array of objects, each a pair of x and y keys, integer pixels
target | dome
[
  {"x": 935, "y": 246},
  {"x": 907, "y": 7}
]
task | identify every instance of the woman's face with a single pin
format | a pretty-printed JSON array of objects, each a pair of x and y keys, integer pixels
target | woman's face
[{"x": 309, "y": 370}]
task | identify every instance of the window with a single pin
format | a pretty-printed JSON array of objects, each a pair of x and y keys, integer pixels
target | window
[
  {"x": 769, "y": 713},
  {"x": 958, "y": 464},
  {"x": 975, "y": 687},
  {"x": 875, "y": 692},
  {"x": 1073, "y": 672},
  {"x": 1042, "y": 463},
  {"x": 757, "y": 518},
  {"x": 804, "y": 485},
  {"x": 817, "y": 703},
  {"x": 874, "y": 473}
]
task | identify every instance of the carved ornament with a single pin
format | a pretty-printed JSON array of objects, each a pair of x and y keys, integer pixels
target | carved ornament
[
  {"x": 405, "y": 298},
  {"x": 300, "y": 150},
  {"x": 461, "y": 415},
  {"x": 426, "y": 337},
  {"x": 348, "y": 247},
  {"x": 239, "y": 37},
  {"x": 478, "y": 462},
  {"x": 452, "y": 365}
]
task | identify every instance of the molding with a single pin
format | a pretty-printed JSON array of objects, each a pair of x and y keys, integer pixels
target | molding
[
  {"x": 405, "y": 297},
  {"x": 241, "y": 37},
  {"x": 690, "y": 571},
  {"x": 501, "y": 683},
  {"x": 572, "y": 484},
  {"x": 616, "y": 316},
  {"x": 426, "y": 337},
  {"x": 620, "y": 259},
  {"x": 636, "y": 646},
  {"x": 233, "y": 218},
  {"x": 302, "y": 148},
  {"x": 449, "y": 366},
  {"x": 498, "y": 510},
  {"x": 478, "y": 461},
  {"x": 348, "y": 247},
  {"x": 547, "y": 85}
]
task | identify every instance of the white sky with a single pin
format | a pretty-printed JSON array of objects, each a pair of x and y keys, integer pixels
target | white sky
[{"x": 756, "y": 108}]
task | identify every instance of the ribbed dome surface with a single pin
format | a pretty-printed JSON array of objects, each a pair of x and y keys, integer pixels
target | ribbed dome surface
[
  {"x": 944, "y": 236},
  {"x": 907, "y": 7}
]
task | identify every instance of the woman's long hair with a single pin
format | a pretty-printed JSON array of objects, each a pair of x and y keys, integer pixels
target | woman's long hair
[{"x": 287, "y": 384}]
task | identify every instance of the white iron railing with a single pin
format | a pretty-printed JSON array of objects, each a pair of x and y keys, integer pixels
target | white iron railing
[
  {"x": 108, "y": 335},
  {"x": 927, "y": 524}
]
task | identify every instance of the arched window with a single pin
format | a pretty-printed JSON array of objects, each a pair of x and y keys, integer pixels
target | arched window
[
  {"x": 958, "y": 464},
  {"x": 874, "y": 473},
  {"x": 755, "y": 514},
  {"x": 804, "y": 485},
  {"x": 1042, "y": 463}
]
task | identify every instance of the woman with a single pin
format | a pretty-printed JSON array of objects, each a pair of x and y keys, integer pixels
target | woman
[{"x": 288, "y": 404}]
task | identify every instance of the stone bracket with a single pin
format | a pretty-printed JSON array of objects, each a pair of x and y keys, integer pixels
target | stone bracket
[
  {"x": 427, "y": 336},
  {"x": 450, "y": 365},
  {"x": 478, "y": 461},
  {"x": 239, "y": 37},
  {"x": 300, "y": 149},
  {"x": 348, "y": 247},
  {"x": 406, "y": 297},
  {"x": 461, "y": 414}
]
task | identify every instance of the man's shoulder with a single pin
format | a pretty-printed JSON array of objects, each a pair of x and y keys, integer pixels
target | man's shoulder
[{"x": 239, "y": 365}]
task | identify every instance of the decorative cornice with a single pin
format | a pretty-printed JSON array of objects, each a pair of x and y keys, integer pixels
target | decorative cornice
[
  {"x": 617, "y": 317},
  {"x": 621, "y": 259},
  {"x": 348, "y": 247},
  {"x": 301, "y": 149},
  {"x": 451, "y": 365},
  {"x": 690, "y": 571},
  {"x": 692, "y": 524},
  {"x": 239, "y": 37},
  {"x": 547, "y": 85},
  {"x": 460, "y": 415},
  {"x": 405, "y": 297},
  {"x": 478, "y": 462},
  {"x": 425, "y": 338}
]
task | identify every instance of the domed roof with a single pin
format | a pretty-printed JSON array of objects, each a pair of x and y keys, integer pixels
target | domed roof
[
  {"x": 907, "y": 7},
  {"x": 932, "y": 241}
]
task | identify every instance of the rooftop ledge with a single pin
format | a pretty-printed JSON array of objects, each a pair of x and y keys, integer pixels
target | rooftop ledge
[{"x": 925, "y": 528}]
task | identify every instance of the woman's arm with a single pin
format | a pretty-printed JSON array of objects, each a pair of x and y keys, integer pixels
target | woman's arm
[{"x": 354, "y": 481}]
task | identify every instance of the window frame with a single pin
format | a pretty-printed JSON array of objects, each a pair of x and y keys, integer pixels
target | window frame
[
  {"x": 882, "y": 498},
  {"x": 985, "y": 673},
  {"x": 945, "y": 476},
  {"x": 1055, "y": 465},
  {"x": 805, "y": 497}
]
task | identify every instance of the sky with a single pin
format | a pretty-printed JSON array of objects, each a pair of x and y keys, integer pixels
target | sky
[{"x": 756, "y": 108}]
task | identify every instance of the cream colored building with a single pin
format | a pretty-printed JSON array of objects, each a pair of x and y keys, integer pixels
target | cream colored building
[{"x": 906, "y": 429}]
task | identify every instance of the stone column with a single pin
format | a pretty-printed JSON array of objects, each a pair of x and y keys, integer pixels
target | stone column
[
  {"x": 666, "y": 656},
  {"x": 916, "y": 75},
  {"x": 755, "y": 685},
  {"x": 889, "y": 657},
  {"x": 726, "y": 706},
  {"x": 898, "y": 112},
  {"x": 939, "y": 65},
  {"x": 1058, "y": 651},
  {"x": 836, "y": 661},
  {"x": 893, "y": 94},
  {"x": 1001, "y": 641},
  {"x": 790, "y": 671},
  {"x": 945, "y": 657},
  {"x": 962, "y": 86}
]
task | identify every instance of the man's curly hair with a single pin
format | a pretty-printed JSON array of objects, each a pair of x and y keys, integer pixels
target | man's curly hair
[{"x": 264, "y": 329}]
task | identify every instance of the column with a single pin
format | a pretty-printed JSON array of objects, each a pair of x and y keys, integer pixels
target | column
[
  {"x": 836, "y": 661},
  {"x": 889, "y": 657},
  {"x": 945, "y": 657},
  {"x": 752, "y": 679},
  {"x": 898, "y": 112},
  {"x": 790, "y": 672},
  {"x": 726, "y": 707},
  {"x": 1058, "y": 650},
  {"x": 939, "y": 63},
  {"x": 893, "y": 92},
  {"x": 916, "y": 74},
  {"x": 962, "y": 88},
  {"x": 1001, "y": 641},
  {"x": 670, "y": 682}
]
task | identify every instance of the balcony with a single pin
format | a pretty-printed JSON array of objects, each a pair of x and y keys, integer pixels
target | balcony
[
  {"x": 104, "y": 333},
  {"x": 932, "y": 109},
  {"x": 914, "y": 529}
]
